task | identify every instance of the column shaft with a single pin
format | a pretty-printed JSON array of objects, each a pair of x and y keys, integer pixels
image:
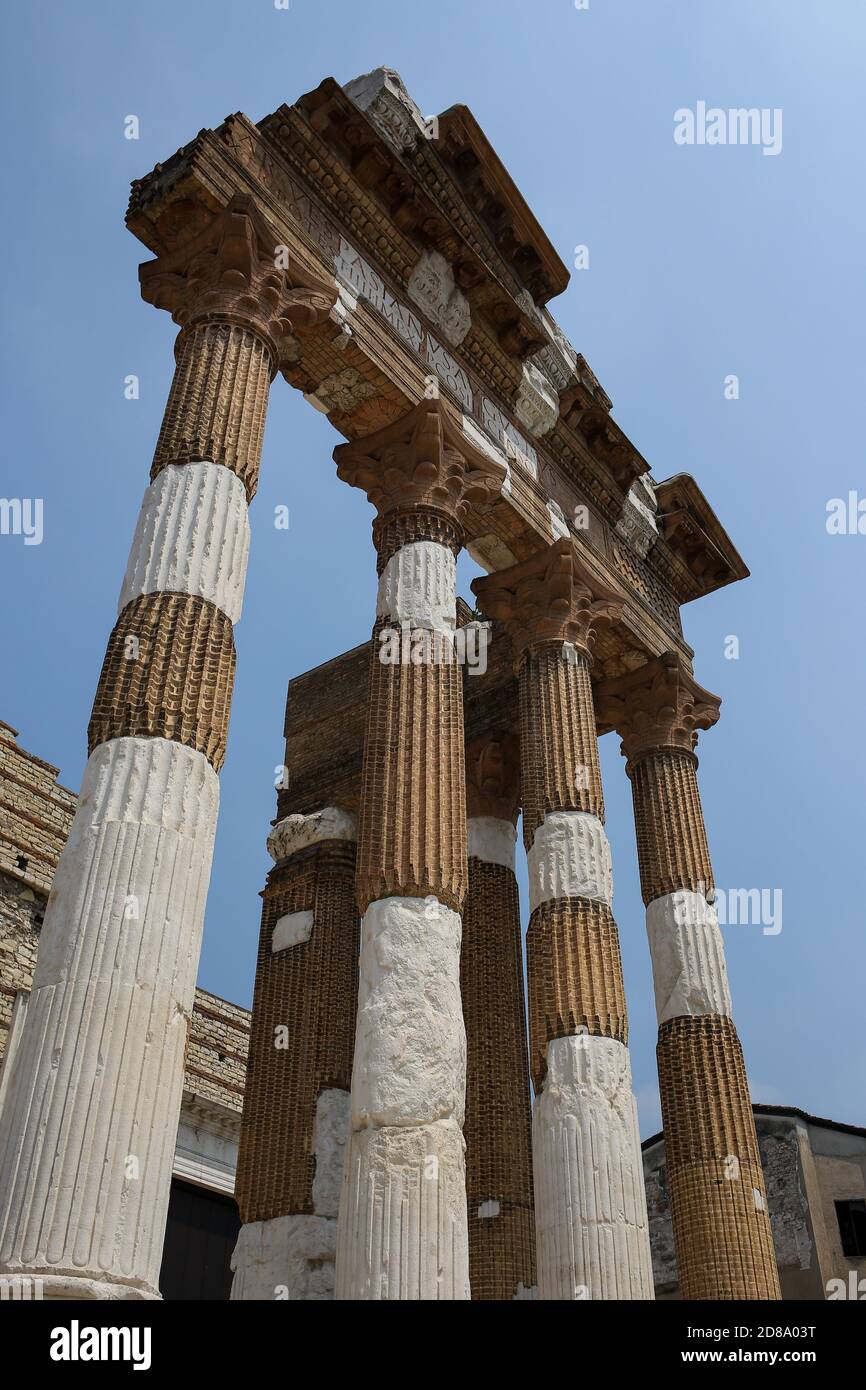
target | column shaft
[
  {"x": 498, "y": 1127},
  {"x": 590, "y": 1206},
  {"x": 403, "y": 1218},
  {"x": 403, "y": 1226},
  {"x": 721, "y": 1225},
  {"x": 296, "y": 1101},
  {"x": 90, "y": 1120}
]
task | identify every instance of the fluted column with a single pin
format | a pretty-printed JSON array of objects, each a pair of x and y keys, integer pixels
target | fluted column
[
  {"x": 296, "y": 1100},
  {"x": 89, "y": 1125},
  {"x": 402, "y": 1226},
  {"x": 721, "y": 1225},
  {"x": 497, "y": 1128},
  {"x": 590, "y": 1206}
]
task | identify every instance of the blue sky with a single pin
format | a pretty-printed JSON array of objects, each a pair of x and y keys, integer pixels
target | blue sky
[{"x": 704, "y": 262}]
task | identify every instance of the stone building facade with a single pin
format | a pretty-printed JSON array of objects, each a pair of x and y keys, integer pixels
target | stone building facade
[{"x": 815, "y": 1176}]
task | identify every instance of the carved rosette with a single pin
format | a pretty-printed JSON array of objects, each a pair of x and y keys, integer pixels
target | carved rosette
[
  {"x": 551, "y": 597},
  {"x": 658, "y": 706},
  {"x": 422, "y": 464},
  {"x": 235, "y": 271}
]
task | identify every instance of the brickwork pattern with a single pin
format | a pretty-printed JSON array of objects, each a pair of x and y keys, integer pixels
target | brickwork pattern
[
  {"x": 412, "y": 828},
  {"x": 719, "y": 1208},
  {"x": 311, "y": 989},
  {"x": 168, "y": 673},
  {"x": 396, "y": 529},
  {"x": 218, "y": 401},
  {"x": 574, "y": 970},
  {"x": 35, "y": 814},
  {"x": 217, "y": 1048},
  {"x": 559, "y": 748},
  {"x": 497, "y": 1128},
  {"x": 669, "y": 825}
]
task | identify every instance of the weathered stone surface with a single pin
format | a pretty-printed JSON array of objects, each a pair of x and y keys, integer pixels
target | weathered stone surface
[
  {"x": 383, "y": 95},
  {"x": 537, "y": 403},
  {"x": 637, "y": 523},
  {"x": 410, "y": 1044},
  {"x": 688, "y": 956},
  {"x": 417, "y": 587},
  {"x": 289, "y": 1258},
  {"x": 192, "y": 537},
  {"x": 491, "y": 839},
  {"x": 594, "y": 1243},
  {"x": 98, "y": 1044},
  {"x": 434, "y": 290},
  {"x": 570, "y": 858},
  {"x": 291, "y": 930},
  {"x": 297, "y": 832},
  {"x": 401, "y": 1181},
  {"x": 330, "y": 1136}
]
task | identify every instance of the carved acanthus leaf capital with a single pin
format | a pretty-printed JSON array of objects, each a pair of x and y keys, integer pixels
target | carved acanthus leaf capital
[
  {"x": 493, "y": 776},
  {"x": 235, "y": 270},
  {"x": 421, "y": 461},
  {"x": 660, "y": 705},
  {"x": 550, "y": 597}
]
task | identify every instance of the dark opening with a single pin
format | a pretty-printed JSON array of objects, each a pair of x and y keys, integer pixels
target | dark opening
[
  {"x": 199, "y": 1239},
  {"x": 852, "y": 1228}
]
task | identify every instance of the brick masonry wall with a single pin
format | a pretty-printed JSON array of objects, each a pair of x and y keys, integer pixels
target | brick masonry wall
[{"x": 35, "y": 816}]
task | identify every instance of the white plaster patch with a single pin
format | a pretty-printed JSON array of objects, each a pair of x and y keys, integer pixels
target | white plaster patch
[
  {"x": 418, "y": 587},
  {"x": 288, "y": 1258},
  {"x": 488, "y": 1210},
  {"x": 330, "y": 1136},
  {"x": 398, "y": 1181},
  {"x": 569, "y": 858},
  {"x": 492, "y": 839},
  {"x": 192, "y": 537},
  {"x": 297, "y": 832},
  {"x": 590, "y": 1201},
  {"x": 526, "y": 1295},
  {"x": 410, "y": 1043},
  {"x": 688, "y": 957},
  {"x": 105, "y": 1035},
  {"x": 292, "y": 930}
]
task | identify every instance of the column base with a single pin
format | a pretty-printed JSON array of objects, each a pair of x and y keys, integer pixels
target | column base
[
  {"x": 403, "y": 1223},
  {"x": 289, "y": 1258},
  {"x": 51, "y": 1286}
]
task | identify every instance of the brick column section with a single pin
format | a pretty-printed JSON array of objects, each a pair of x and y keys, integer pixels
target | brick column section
[
  {"x": 90, "y": 1120},
  {"x": 590, "y": 1206},
  {"x": 402, "y": 1227},
  {"x": 498, "y": 1125},
  {"x": 721, "y": 1226},
  {"x": 296, "y": 1100}
]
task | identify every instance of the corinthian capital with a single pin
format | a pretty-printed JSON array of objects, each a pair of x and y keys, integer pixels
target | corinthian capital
[
  {"x": 421, "y": 461},
  {"x": 660, "y": 705},
  {"x": 235, "y": 271},
  {"x": 550, "y": 597}
]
